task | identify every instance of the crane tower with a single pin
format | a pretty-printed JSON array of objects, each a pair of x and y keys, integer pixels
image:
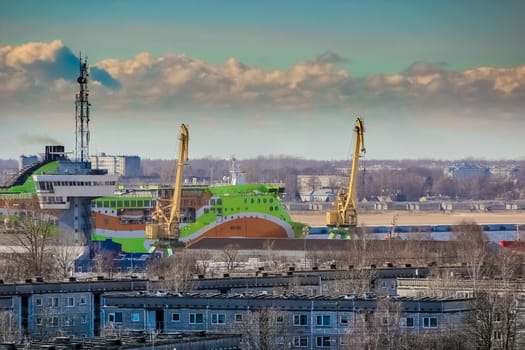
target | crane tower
[{"x": 343, "y": 219}]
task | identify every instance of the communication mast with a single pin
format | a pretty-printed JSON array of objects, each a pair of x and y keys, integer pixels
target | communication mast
[{"x": 82, "y": 114}]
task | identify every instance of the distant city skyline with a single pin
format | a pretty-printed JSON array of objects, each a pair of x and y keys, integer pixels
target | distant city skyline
[{"x": 432, "y": 80}]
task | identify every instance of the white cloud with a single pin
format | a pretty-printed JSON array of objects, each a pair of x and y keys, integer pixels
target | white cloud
[
  {"x": 23, "y": 55},
  {"x": 178, "y": 80}
]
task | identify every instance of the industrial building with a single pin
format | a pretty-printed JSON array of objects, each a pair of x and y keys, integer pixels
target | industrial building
[{"x": 128, "y": 166}]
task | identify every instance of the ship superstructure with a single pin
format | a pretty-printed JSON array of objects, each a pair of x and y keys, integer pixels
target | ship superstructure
[
  {"x": 60, "y": 184},
  {"x": 226, "y": 211}
]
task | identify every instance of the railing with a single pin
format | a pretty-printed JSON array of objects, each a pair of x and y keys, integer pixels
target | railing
[{"x": 458, "y": 284}]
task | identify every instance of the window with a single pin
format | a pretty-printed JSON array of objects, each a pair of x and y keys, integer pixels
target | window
[
  {"x": 497, "y": 335},
  {"x": 39, "y": 321},
  {"x": 175, "y": 317},
  {"x": 300, "y": 342},
  {"x": 430, "y": 322},
  {"x": 53, "y": 321},
  {"x": 52, "y": 302},
  {"x": 344, "y": 319},
  {"x": 196, "y": 319},
  {"x": 323, "y": 341},
  {"x": 70, "y": 301},
  {"x": 115, "y": 317},
  {"x": 323, "y": 320},
  {"x": 82, "y": 301},
  {"x": 217, "y": 318},
  {"x": 410, "y": 322},
  {"x": 83, "y": 319},
  {"x": 38, "y": 301},
  {"x": 238, "y": 318},
  {"x": 69, "y": 321},
  {"x": 279, "y": 340},
  {"x": 135, "y": 317},
  {"x": 300, "y": 320},
  {"x": 279, "y": 319}
]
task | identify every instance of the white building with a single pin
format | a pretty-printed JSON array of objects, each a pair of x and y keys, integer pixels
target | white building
[{"x": 117, "y": 165}]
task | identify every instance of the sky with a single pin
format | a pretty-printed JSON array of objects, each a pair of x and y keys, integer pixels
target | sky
[{"x": 430, "y": 79}]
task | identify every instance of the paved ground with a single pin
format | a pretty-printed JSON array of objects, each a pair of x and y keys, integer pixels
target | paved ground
[{"x": 411, "y": 218}]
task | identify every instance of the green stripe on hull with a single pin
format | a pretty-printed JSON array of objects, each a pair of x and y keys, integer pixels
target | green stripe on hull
[
  {"x": 129, "y": 245},
  {"x": 226, "y": 201},
  {"x": 29, "y": 185}
]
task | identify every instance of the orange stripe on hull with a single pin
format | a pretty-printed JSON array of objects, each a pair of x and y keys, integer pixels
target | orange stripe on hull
[
  {"x": 246, "y": 228},
  {"x": 112, "y": 223},
  {"x": 15, "y": 202}
]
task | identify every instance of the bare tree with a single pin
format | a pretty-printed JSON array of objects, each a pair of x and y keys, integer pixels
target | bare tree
[
  {"x": 202, "y": 261},
  {"x": 67, "y": 247},
  {"x": 37, "y": 229},
  {"x": 472, "y": 249},
  {"x": 9, "y": 331},
  {"x": 496, "y": 317},
  {"x": 377, "y": 330},
  {"x": 494, "y": 321},
  {"x": 104, "y": 262},
  {"x": 357, "y": 282},
  {"x": 176, "y": 272},
  {"x": 384, "y": 329},
  {"x": 262, "y": 329},
  {"x": 230, "y": 255}
]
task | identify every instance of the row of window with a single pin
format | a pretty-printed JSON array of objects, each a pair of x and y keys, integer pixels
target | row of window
[
  {"x": 322, "y": 341},
  {"x": 48, "y": 185},
  {"x": 67, "y": 320},
  {"x": 252, "y": 200},
  {"x": 124, "y": 203},
  {"x": 52, "y": 200},
  {"x": 55, "y": 301},
  {"x": 320, "y": 320},
  {"x": 219, "y": 210},
  {"x": 218, "y": 201},
  {"x": 298, "y": 320}
]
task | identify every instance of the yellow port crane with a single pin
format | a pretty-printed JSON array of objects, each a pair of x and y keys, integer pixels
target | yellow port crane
[
  {"x": 166, "y": 218},
  {"x": 343, "y": 220}
]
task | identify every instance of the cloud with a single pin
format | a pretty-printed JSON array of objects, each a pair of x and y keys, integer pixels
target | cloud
[
  {"x": 190, "y": 81},
  {"x": 47, "y": 71},
  {"x": 331, "y": 57},
  {"x": 104, "y": 78},
  {"x": 32, "y": 68}
]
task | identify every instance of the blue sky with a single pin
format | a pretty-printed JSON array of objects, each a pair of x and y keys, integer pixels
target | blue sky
[{"x": 441, "y": 80}]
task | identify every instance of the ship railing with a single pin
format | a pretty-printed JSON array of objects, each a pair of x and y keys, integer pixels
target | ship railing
[{"x": 16, "y": 195}]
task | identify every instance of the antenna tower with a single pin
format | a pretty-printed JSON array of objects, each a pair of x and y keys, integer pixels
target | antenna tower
[{"x": 82, "y": 114}]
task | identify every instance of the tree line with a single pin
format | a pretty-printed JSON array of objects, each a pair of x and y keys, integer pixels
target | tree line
[{"x": 402, "y": 180}]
